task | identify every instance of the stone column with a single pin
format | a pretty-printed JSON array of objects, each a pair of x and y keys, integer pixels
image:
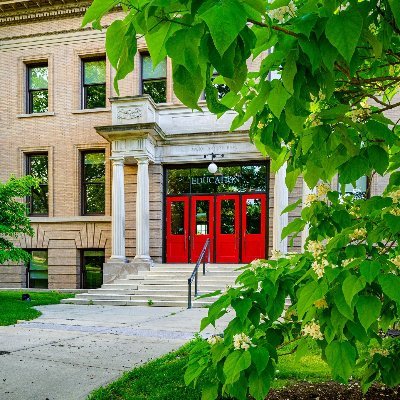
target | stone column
[
  {"x": 142, "y": 257},
  {"x": 281, "y": 200},
  {"x": 118, "y": 212},
  {"x": 306, "y": 191}
]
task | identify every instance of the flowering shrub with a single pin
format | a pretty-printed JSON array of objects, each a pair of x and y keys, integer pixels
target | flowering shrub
[{"x": 344, "y": 292}]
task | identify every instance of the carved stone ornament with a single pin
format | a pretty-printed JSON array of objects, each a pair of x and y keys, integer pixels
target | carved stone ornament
[{"x": 129, "y": 113}]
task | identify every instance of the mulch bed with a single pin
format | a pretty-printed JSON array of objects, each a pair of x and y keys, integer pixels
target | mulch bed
[{"x": 333, "y": 391}]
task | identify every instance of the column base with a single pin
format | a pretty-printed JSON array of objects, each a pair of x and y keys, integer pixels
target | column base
[
  {"x": 143, "y": 263},
  {"x": 116, "y": 270},
  {"x": 118, "y": 259}
]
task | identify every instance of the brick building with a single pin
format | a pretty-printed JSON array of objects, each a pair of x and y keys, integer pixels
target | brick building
[{"x": 124, "y": 180}]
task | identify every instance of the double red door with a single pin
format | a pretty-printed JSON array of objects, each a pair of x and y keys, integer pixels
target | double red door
[{"x": 235, "y": 225}]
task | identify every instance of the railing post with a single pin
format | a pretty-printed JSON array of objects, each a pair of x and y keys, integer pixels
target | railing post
[
  {"x": 195, "y": 283},
  {"x": 189, "y": 293}
]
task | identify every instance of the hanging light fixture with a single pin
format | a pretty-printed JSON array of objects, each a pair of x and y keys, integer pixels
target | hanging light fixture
[{"x": 213, "y": 168}]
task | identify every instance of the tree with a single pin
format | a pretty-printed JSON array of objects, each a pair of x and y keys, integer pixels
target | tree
[
  {"x": 328, "y": 75},
  {"x": 13, "y": 217}
]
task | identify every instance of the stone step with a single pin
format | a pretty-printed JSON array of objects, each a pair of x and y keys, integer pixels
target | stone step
[
  {"x": 166, "y": 296},
  {"x": 156, "y": 303},
  {"x": 155, "y": 277},
  {"x": 120, "y": 286}
]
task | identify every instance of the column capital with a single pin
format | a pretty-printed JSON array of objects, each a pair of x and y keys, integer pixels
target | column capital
[
  {"x": 119, "y": 160},
  {"x": 142, "y": 160}
]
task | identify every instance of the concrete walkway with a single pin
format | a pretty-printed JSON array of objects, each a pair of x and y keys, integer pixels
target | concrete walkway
[{"x": 71, "y": 350}]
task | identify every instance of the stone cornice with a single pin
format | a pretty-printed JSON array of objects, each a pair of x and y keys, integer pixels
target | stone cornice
[{"x": 16, "y": 12}]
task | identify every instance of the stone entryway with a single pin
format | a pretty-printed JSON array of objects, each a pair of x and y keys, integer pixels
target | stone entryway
[{"x": 164, "y": 285}]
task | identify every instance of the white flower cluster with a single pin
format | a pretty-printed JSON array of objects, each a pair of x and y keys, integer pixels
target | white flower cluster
[
  {"x": 242, "y": 341},
  {"x": 358, "y": 234},
  {"x": 321, "y": 97},
  {"x": 382, "y": 352},
  {"x": 395, "y": 212},
  {"x": 360, "y": 114},
  {"x": 256, "y": 264},
  {"x": 315, "y": 247},
  {"x": 396, "y": 261},
  {"x": 313, "y": 120},
  {"x": 276, "y": 254},
  {"x": 322, "y": 190},
  {"x": 212, "y": 340},
  {"x": 314, "y": 330},
  {"x": 345, "y": 263},
  {"x": 395, "y": 195},
  {"x": 281, "y": 14},
  {"x": 260, "y": 125},
  {"x": 319, "y": 267},
  {"x": 321, "y": 304}
]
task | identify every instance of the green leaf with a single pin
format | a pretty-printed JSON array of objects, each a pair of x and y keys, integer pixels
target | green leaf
[
  {"x": 187, "y": 87},
  {"x": 295, "y": 226},
  {"x": 183, "y": 47},
  {"x": 156, "y": 40},
  {"x": 242, "y": 307},
  {"x": 393, "y": 223},
  {"x": 259, "y": 357},
  {"x": 351, "y": 286},
  {"x": 291, "y": 207},
  {"x": 259, "y": 385},
  {"x": 343, "y": 30},
  {"x": 370, "y": 270},
  {"x": 235, "y": 363},
  {"x": 209, "y": 391},
  {"x": 114, "y": 44},
  {"x": 341, "y": 357},
  {"x": 368, "y": 310},
  {"x": 290, "y": 70},
  {"x": 390, "y": 285},
  {"x": 225, "y": 19},
  {"x": 308, "y": 295},
  {"x": 378, "y": 158},
  {"x": 277, "y": 98},
  {"x": 394, "y": 5},
  {"x": 97, "y": 9},
  {"x": 353, "y": 169},
  {"x": 342, "y": 305}
]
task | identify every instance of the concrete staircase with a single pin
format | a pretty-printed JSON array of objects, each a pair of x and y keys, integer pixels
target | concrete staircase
[{"x": 165, "y": 285}]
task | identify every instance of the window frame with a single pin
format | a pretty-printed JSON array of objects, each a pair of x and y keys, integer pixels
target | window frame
[
  {"x": 84, "y": 86},
  {"x": 28, "y": 265},
  {"x": 83, "y": 183},
  {"x": 82, "y": 265},
  {"x": 28, "y": 169},
  {"x": 143, "y": 80},
  {"x": 29, "y": 91}
]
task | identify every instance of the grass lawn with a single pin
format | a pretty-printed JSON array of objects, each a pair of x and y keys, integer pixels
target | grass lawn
[
  {"x": 162, "y": 379},
  {"x": 12, "y": 308}
]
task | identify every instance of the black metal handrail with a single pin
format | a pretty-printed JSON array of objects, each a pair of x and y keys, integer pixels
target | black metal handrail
[{"x": 194, "y": 276}]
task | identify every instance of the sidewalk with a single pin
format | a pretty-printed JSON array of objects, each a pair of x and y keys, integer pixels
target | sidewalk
[{"x": 71, "y": 350}]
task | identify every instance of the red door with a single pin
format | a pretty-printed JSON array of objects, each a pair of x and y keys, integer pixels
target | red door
[
  {"x": 253, "y": 226},
  {"x": 227, "y": 229},
  {"x": 202, "y": 225},
  {"x": 177, "y": 229}
]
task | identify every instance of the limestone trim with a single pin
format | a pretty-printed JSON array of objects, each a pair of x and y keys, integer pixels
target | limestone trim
[
  {"x": 63, "y": 220},
  {"x": 36, "y": 115},
  {"x": 23, "y": 152},
  {"x": 43, "y": 13},
  {"x": 78, "y": 149},
  {"x": 23, "y": 63}
]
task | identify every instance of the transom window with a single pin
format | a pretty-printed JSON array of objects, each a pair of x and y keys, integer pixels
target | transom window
[
  {"x": 154, "y": 80},
  {"x": 93, "y": 182},
  {"x": 94, "y": 83},
  {"x": 38, "y": 88},
  {"x": 37, "y": 166}
]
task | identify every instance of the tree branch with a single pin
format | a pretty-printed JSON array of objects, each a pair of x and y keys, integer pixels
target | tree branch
[{"x": 274, "y": 27}]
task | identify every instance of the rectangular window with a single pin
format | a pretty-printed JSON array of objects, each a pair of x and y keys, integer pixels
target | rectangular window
[
  {"x": 38, "y": 88},
  {"x": 94, "y": 83},
  {"x": 37, "y": 166},
  {"x": 37, "y": 270},
  {"x": 92, "y": 269},
  {"x": 360, "y": 190},
  {"x": 93, "y": 182},
  {"x": 154, "y": 80}
]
